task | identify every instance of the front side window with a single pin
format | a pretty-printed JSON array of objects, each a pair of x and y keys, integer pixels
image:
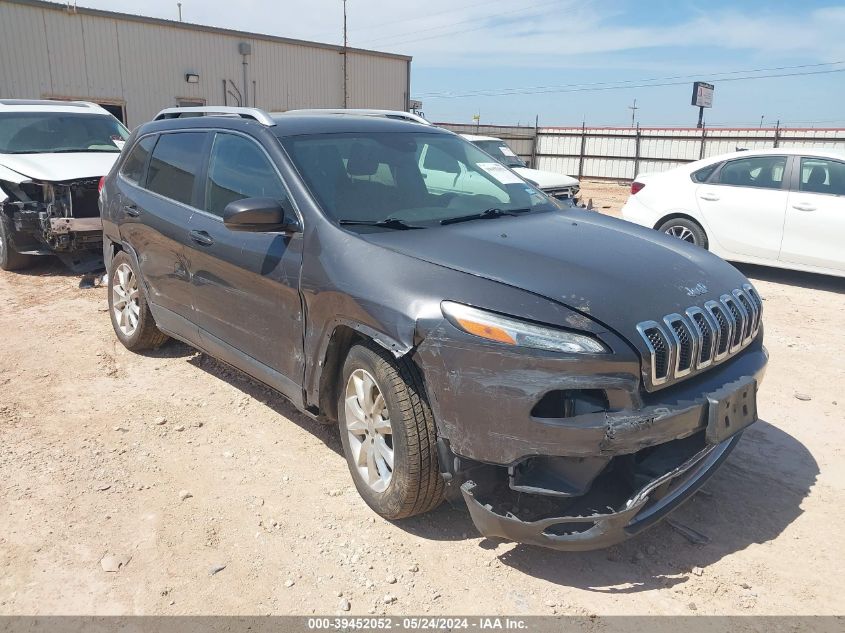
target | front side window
[
  {"x": 59, "y": 133},
  {"x": 175, "y": 162},
  {"x": 820, "y": 175},
  {"x": 761, "y": 172},
  {"x": 501, "y": 152},
  {"x": 420, "y": 178},
  {"x": 133, "y": 168},
  {"x": 238, "y": 169}
]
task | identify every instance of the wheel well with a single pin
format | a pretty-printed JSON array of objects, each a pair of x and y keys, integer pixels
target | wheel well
[{"x": 343, "y": 338}]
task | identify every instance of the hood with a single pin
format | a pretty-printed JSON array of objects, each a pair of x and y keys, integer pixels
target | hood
[
  {"x": 546, "y": 179},
  {"x": 617, "y": 273},
  {"x": 59, "y": 167}
]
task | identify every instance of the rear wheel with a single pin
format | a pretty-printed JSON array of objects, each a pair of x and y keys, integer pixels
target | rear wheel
[
  {"x": 130, "y": 315},
  {"x": 11, "y": 259},
  {"x": 686, "y": 230},
  {"x": 388, "y": 434}
]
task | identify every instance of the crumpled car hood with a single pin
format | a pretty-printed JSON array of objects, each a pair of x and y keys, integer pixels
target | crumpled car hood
[
  {"x": 60, "y": 167},
  {"x": 616, "y": 272}
]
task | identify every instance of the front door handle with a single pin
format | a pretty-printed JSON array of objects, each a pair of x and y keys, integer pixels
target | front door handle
[
  {"x": 131, "y": 210},
  {"x": 202, "y": 238},
  {"x": 711, "y": 197},
  {"x": 804, "y": 206}
]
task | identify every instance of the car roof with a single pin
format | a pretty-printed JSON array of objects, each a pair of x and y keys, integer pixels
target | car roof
[
  {"x": 48, "y": 105},
  {"x": 297, "y": 124},
  {"x": 779, "y": 151}
]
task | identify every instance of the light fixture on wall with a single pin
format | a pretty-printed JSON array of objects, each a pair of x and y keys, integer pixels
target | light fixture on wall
[{"x": 192, "y": 78}]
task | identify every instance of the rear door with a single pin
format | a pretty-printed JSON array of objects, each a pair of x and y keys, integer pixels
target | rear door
[
  {"x": 744, "y": 205},
  {"x": 245, "y": 286},
  {"x": 157, "y": 185},
  {"x": 814, "y": 231}
]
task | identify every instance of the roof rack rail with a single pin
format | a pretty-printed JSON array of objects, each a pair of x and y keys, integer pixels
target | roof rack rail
[
  {"x": 245, "y": 113},
  {"x": 387, "y": 114}
]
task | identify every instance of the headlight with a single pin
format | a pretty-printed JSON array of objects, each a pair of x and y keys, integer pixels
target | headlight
[{"x": 501, "y": 329}]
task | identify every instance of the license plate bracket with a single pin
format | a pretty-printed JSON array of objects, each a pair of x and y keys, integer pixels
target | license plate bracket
[{"x": 731, "y": 409}]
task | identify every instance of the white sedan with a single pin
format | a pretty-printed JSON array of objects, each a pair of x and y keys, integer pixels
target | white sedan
[{"x": 776, "y": 207}]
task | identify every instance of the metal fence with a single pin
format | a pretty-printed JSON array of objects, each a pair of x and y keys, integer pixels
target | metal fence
[{"x": 622, "y": 153}]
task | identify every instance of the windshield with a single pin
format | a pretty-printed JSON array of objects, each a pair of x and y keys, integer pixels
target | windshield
[
  {"x": 417, "y": 178},
  {"x": 48, "y": 132},
  {"x": 501, "y": 152}
]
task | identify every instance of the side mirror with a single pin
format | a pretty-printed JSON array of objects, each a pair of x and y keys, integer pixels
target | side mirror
[{"x": 258, "y": 215}]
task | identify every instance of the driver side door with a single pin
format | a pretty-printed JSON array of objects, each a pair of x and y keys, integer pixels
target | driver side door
[{"x": 245, "y": 285}]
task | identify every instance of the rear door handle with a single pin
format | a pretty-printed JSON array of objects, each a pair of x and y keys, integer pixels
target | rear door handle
[
  {"x": 131, "y": 210},
  {"x": 803, "y": 206},
  {"x": 202, "y": 238},
  {"x": 711, "y": 197}
]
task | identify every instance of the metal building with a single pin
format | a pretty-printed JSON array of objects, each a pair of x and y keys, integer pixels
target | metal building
[{"x": 134, "y": 66}]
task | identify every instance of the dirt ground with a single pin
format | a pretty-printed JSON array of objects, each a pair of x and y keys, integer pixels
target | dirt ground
[{"x": 210, "y": 494}]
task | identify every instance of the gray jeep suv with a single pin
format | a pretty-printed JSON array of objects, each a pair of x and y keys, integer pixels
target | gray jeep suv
[{"x": 570, "y": 376}]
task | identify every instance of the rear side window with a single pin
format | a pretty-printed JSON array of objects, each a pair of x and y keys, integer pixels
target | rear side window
[
  {"x": 175, "y": 162},
  {"x": 239, "y": 169},
  {"x": 704, "y": 173},
  {"x": 820, "y": 175},
  {"x": 760, "y": 172},
  {"x": 133, "y": 168}
]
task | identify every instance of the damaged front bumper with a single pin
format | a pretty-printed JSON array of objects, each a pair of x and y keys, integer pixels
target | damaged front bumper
[
  {"x": 597, "y": 530},
  {"x": 575, "y": 455},
  {"x": 62, "y": 219}
]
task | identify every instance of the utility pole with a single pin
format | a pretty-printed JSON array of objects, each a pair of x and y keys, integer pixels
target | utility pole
[
  {"x": 179, "y": 6},
  {"x": 633, "y": 109},
  {"x": 345, "y": 58}
]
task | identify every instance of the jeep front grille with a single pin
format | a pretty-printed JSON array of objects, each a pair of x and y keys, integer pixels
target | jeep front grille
[{"x": 684, "y": 344}]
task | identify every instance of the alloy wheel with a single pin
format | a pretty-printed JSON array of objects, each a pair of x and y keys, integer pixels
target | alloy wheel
[
  {"x": 125, "y": 299},
  {"x": 682, "y": 233},
  {"x": 369, "y": 430}
]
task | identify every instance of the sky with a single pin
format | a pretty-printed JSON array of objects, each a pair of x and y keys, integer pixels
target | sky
[{"x": 572, "y": 61}]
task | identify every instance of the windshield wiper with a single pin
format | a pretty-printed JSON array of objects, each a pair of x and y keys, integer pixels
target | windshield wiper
[
  {"x": 489, "y": 213},
  {"x": 387, "y": 223}
]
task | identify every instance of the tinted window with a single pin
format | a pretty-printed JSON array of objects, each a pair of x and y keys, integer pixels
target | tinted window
[
  {"x": 819, "y": 175},
  {"x": 765, "y": 172},
  {"x": 238, "y": 169},
  {"x": 133, "y": 168},
  {"x": 175, "y": 162},
  {"x": 704, "y": 173}
]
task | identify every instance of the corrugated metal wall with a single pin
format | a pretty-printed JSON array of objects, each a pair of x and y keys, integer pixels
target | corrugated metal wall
[
  {"x": 621, "y": 153},
  {"x": 47, "y": 51}
]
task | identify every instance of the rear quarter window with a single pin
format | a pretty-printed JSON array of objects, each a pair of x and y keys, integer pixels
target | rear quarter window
[
  {"x": 703, "y": 174},
  {"x": 135, "y": 164}
]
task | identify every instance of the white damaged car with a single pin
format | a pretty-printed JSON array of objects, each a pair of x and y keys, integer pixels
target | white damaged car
[
  {"x": 556, "y": 185},
  {"x": 52, "y": 156}
]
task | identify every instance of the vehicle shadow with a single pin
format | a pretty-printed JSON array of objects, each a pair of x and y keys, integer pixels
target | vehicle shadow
[
  {"x": 752, "y": 499},
  {"x": 327, "y": 433},
  {"x": 813, "y": 281}
]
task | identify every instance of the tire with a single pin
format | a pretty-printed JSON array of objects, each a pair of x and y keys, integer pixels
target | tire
[
  {"x": 10, "y": 259},
  {"x": 131, "y": 318},
  {"x": 414, "y": 484},
  {"x": 685, "y": 229}
]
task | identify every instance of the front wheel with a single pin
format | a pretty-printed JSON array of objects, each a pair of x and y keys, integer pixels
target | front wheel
[
  {"x": 10, "y": 258},
  {"x": 686, "y": 230},
  {"x": 388, "y": 434}
]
